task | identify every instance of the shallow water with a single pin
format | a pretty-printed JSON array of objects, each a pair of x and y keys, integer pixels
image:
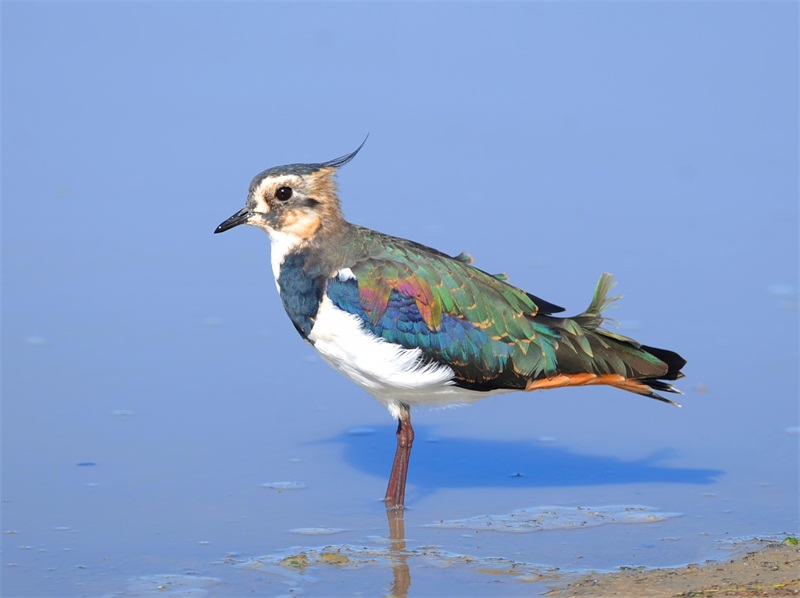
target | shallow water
[
  {"x": 217, "y": 451},
  {"x": 164, "y": 427}
]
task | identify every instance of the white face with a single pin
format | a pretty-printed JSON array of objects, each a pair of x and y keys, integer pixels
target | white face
[
  {"x": 291, "y": 204},
  {"x": 267, "y": 205},
  {"x": 265, "y": 190},
  {"x": 291, "y": 209}
]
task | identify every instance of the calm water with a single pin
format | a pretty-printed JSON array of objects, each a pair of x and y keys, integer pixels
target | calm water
[{"x": 163, "y": 425}]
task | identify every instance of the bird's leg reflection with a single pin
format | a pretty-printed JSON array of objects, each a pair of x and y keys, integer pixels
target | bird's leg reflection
[{"x": 397, "y": 550}]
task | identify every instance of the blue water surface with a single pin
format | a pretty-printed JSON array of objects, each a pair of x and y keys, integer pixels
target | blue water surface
[{"x": 151, "y": 383}]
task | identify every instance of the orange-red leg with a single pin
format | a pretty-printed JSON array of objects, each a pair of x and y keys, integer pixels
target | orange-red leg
[{"x": 396, "y": 490}]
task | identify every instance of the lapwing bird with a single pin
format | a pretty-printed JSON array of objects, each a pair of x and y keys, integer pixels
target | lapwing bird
[{"x": 414, "y": 326}]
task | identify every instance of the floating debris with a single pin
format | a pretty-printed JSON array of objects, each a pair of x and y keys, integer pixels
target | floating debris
[
  {"x": 317, "y": 531},
  {"x": 281, "y": 486},
  {"x": 536, "y": 519},
  {"x": 300, "y": 559},
  {"x": 172, "y": 585}
]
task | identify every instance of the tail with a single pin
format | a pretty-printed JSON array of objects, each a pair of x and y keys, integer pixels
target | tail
[{"x": 588, "y": 354}]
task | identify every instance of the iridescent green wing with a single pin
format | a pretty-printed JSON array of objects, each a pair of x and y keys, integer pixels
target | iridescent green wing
[{"x": 415, "y": 296}]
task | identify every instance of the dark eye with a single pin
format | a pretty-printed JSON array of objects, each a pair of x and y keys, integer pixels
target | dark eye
[{"x": 284, "y": 193}]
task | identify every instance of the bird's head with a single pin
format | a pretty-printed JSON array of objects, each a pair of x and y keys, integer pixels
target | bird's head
[{"x": 296, "y": 199}]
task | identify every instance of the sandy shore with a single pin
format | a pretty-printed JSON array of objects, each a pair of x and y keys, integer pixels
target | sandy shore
[{"x": 768, "y": 569}]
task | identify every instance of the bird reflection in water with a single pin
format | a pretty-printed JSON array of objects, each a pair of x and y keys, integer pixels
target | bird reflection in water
[{"x": 398, "y": 555}]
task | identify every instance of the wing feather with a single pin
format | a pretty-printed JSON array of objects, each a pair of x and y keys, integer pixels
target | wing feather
[{"x": 458, "y": 315}]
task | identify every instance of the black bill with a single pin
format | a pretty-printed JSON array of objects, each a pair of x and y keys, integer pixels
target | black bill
[{"x": 238, "y": 218}]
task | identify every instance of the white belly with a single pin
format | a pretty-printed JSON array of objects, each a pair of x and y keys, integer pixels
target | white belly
[{"x": 391, "y": 373}]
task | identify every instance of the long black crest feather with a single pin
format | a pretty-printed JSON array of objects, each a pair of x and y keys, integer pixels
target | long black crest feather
[{"x": 342, "y": 160}]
